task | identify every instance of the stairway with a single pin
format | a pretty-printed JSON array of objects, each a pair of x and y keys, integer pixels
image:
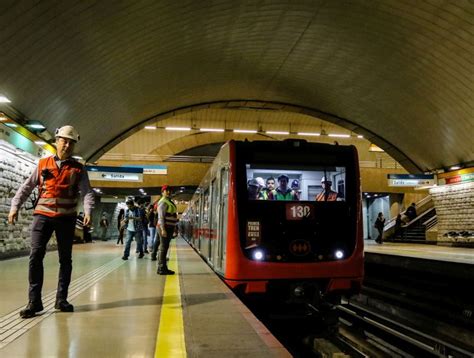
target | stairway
[{"x": 415, "y": 231}]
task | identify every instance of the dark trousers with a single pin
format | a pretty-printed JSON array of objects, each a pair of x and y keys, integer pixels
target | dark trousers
[
  {"x": 42, "y": 229},
  {"x": 120, "y": 237},
  {"x": 164, "y": 245},
  {"x": 379, "y": 238}
]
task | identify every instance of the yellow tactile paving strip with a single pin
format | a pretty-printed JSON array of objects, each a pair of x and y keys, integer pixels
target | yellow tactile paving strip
[{"x": 170, "y": 338}]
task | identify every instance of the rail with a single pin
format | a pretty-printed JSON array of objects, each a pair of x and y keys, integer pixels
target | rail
[{"x": 395, "y": 338}]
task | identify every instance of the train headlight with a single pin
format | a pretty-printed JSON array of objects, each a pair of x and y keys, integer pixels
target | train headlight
[
  {"x": 339, "y": 254},
  {"x": 258, "y": 255}
]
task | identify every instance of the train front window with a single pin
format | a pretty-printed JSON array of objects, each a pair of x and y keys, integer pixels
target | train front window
[{"x": 325, "y": 184}]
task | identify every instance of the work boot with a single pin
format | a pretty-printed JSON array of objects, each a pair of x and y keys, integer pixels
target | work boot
[
  {"x": 165, "y": 271},
  {"x": 30, "y": 309},
  {"x": 153, "y": 258},
  {"x": 63, "y": 306}
]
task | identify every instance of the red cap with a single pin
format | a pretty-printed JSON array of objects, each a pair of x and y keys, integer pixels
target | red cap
[{"x": 165, "y": 187}]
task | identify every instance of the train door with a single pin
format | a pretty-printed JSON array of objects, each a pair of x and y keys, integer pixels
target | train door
[
  {"x": 222, "y": 225},
  {"x": 204, "y": 232},
  {"x": 213, "y": 221},
  {"x": 197, "y": 228}
]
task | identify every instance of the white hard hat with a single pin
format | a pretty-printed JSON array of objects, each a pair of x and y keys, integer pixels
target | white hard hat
[
  {"x": 324, "y": 180},
  {"x": 67, "y": 132},
  {"x": 260, "y": 181}
]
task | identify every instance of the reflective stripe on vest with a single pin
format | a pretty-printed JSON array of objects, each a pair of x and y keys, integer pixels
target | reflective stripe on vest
[
  {"x": 59, "y": 187},
  {"x": 331, "y": 196}
]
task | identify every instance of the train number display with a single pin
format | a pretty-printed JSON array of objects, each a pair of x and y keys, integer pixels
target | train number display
[{"x": 298, "y": 211}]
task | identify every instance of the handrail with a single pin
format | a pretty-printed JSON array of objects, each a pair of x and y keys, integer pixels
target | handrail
[
  {"x": 430, "y": 222},
  {"x": 418, "y": 218}
]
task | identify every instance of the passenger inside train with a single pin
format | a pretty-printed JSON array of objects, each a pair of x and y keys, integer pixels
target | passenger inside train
[{"x": 296, "y": 184}]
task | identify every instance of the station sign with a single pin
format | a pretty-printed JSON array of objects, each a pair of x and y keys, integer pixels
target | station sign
[
  {"x": 456, "y": 177},
  {"x": 115, "y": 173},
  {"x": 410, "y": 180},
  {"x": 152, "y": 169}
]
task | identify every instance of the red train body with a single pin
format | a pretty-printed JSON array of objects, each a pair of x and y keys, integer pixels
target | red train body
[{"x": 297, "y": 247}]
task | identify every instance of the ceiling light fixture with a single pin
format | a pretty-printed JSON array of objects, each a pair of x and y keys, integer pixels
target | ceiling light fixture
[
  {"x": 339, "y": 135},
  {"x": 183, "y": 129},
  {"x": 455, "y": 167},
  {"x": 309, "y": 134},
  {"x": 277, "y": 132},
  {"x": 40, "y": 142},
  {"x": 360, "y": 136},
  {"x": 150, "y": 127},
  {"x": 212, "y": 130},
  {"x": 12, "y": 125},
  {"x": 244, "y": 131},
  {"x": 4, "y": 99}
]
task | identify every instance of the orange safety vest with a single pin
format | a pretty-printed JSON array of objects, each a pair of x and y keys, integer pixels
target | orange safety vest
[
  {"x": 58, "y": 187},
  {"x": 331, "y": 196}
]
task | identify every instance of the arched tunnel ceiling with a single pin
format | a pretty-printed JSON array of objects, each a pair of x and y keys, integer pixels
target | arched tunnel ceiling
[{"x": 400, "y": 72}]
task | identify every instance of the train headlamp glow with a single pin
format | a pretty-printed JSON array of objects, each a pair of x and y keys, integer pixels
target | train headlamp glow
[
  {"x": 258, "y": 255},
  {"x": 339, "y": 254}
]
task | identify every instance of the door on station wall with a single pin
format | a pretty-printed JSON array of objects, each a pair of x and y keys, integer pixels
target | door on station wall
[
  {"x": 222, "y": 225},
  {"x": 375, "y": 205}
]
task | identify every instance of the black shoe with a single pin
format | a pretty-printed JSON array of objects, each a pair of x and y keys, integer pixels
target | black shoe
[
  {"x": 140, "y": 256},
  {"x": 30, "y": 309},
  {"x": 147, "y": 252},
  {"x": 153, "y": 258},
  {"x": 63, "y": 306},
  {"x": 125, "y": 258},
  {"x": 165, "y": 272}
]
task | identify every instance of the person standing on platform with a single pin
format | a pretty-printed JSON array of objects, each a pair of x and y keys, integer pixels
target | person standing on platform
[
  {"x": 104, "y": 226},
  {"x": 151, "y": 226},
  {"x": 61, "y": 181},
  {"x": 167, "y": 221},
  {"x": 120, "y": 226},
  {"x": 379, "y": 225},
  {"x": 134, "y": 225}
]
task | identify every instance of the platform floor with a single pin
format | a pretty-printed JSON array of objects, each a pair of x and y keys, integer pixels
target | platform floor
[
  {"x": 431, "y": 252},
  {"x": 124, "y": 309}
]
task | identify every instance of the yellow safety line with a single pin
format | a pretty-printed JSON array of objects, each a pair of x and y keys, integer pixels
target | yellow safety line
[{"x": 170, "y": 338}]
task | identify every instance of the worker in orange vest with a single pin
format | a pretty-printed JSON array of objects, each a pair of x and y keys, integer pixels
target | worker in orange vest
[
  {"x": 327, "y": 194},
  {"x": 61, "y": 181}
]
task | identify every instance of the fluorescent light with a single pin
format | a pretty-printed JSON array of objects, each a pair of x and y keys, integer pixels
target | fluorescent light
[
  {"x": 309, "y": 134},
  {"x": 339, "y": 135},
  {"x": 13, "y": 125},
  {"x": 212, "y": 130},
  {"x": 244, "y": 131},
  {"x": 177, "y": 128},
  {"x": 4, "y": 99},
  {"x": 40, "y": 142},
  {"x": 277, "y": 132},
  {"x": 36, "y": 126},
  {"x": 2, "y": 118},
  {"x": 150, "y": 127},
  {"x": 360, "y": 136},
  {"x": 455, "y": 167},
  {"x": 78, "y": 157}
]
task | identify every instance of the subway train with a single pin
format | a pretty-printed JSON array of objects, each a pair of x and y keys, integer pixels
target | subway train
[{"x": 292, "y": 243}]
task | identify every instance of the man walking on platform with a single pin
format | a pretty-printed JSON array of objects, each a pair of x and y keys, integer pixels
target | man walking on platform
[
  {"x": 61, "y": 181},
  {"x": 167, "y": 221}
]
